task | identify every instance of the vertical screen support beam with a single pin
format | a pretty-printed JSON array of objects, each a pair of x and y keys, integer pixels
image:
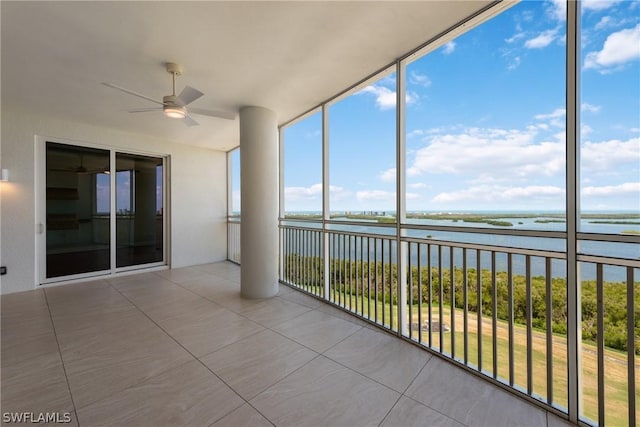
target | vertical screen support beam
[
  {"x": 281, "y": 142},
  {"x": 326, "y": 208},
  {"x": 401, "y": 247},
  {"x": 574, "y": 335}
]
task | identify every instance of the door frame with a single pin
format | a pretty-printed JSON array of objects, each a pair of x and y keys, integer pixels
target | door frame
[{"x": 41, "y": 212}]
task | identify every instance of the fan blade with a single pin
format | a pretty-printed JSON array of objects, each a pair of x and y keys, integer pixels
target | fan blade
[
  {"x": 188, "y": 95},
  {"x": 130, "y": 92},
  {"x": 188, "y": 120},
  {"x": 144, "y": 110},
  {"x": 212, "y": 113}
]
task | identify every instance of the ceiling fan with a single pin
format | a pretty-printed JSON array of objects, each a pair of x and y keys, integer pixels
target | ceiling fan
[{"x": 176, "y": 106}]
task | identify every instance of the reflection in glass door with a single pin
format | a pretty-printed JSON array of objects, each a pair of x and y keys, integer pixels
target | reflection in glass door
[
  {"x": 78, "y": 225},
  {"x": 139, "y": 213},
  {"x": 101, "y": 215}
]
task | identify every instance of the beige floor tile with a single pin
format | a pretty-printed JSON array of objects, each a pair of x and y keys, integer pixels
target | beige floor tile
[
  {"x": 387, "y": 360},
  {"x": 180, "y": 275},
  {"x": 273, "y": 311},
  {"x": 251, "y": 365},
  {"x": 341, "y": 314},
  {"x": 125, "y": 319},
  {"x": 188, "y": 306},
  {"x": 502, "y": 409},
  {"x": 40, "y": 389},
  {"x": 18, "y": 328},
  {"x": 149, "y": 295},
  {"x": 244, "y": 416},
  {"x": 317, "y": 330},
  {"x": 22, "y": 304},
  {"x": 22, "y": 357},
  {"x": 204, "y": 332},
  {"x": 409, "y": 413},
  {"x": 80, "y": 298},
  {"x": 284, "y": 289},
  {"x": 124, "y": 279},
  {"x": 93, "y": 375},
  {"x": 555, "y": 421},
  {"x": 212, "y": 287},
  {"x": 470, "y": 400},
  {"x": 85, "y": 335},
  {"x": 301, "y": 298},
  {"x": 168, "y": 302},
  {"x": 187, "y": 395},
  {"x": 448, "y": 390},
  {"x": 223, "y": 268},
  {"x": 323, "y": 393},
  {"x": 232, "y": 300}
]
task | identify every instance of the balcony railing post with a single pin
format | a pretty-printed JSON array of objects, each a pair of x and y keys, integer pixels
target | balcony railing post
[{"x": 631, "y": 348}]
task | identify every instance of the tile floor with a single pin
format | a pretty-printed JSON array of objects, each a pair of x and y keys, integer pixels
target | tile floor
[{"x": 182, "y": 348}]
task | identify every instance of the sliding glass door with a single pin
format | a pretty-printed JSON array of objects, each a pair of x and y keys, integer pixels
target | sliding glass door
[
  {"x": 104, "y": 211},
  {"x": 77, "y": 233},
  {"x": 139, "y": 218}
]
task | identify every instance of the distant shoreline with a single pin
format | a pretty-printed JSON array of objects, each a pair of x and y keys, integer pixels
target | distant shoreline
[{"x": 498, "y": 219}]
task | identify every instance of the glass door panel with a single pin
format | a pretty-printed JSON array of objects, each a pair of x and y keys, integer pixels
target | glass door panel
[
  {"x": 139, "y": 210},
  {"x": 77, "y": 210}
]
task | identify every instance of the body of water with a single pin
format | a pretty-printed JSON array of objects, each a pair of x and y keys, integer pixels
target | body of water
[{"x": 558, "y": 268}]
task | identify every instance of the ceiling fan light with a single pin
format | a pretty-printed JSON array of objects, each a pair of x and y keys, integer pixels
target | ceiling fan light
[{"x": 174, "y": 112}]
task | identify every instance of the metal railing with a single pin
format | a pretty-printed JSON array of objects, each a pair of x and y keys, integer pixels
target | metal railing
[
  {"x": 501, "y": 312},
  {"x": 233, "y": 240}
]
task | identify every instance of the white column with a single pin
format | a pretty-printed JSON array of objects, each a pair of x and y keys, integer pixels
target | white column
[{"x": 259, "y": 201}]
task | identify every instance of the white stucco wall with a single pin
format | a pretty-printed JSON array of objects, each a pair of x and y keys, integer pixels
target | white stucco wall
[{"x": 197, "y": 193}]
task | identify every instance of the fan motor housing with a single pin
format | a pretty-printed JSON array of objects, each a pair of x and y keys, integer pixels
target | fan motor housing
[{"x": 169, "y": 100}]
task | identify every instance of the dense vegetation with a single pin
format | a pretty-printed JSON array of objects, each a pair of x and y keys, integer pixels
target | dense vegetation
[{"x": 353, "y": 278}]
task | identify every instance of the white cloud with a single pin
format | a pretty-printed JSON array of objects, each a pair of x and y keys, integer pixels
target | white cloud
[
  {"x": 414, "y": 133},
  {"x": 419, "y": 79},
  {"x": 553, "y": 119},
  {"x": 598, "y": 4},
  {"x": 497, "y": 193},
  {"x": 303, "y": 193},
  {"x": 515, "y": 37},
  {"x": 590, "y": 108},
  {"x": 544, "y": 39},
  {"x": 514, "y": 63},
  {"x": 619, "y": 48},
  {"x": 313, "y": 192},
  {"x": 419, "y": 186},
  {"x": 558, "y": 10},
  {"x": 609, "y": 155},
  {"x": 555, "y": 114},
  {"x": 627, "y": 188},
  {"x": 585, "y": 130},
  {"x": 389, "y": 175},
  {"x": 448, "y": 48},
  {"x": 489, "y": 154},
  {"x": 605, "y": 22},
  {"x": 377, "y": 195},
  {"x": 385, "y": 97}
]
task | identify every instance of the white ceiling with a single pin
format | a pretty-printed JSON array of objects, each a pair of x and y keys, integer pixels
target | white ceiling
[{"x": 286, "y": 56}]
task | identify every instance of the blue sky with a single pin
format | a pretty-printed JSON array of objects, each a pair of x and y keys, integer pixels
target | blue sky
[{"x": 486, "y": 121}]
